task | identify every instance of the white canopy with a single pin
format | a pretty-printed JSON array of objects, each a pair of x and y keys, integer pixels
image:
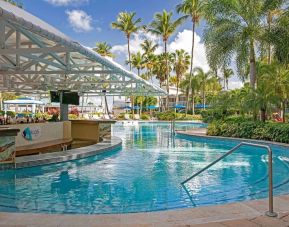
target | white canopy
[
  {"x": 23, "y": 102},
  {"x": 35, "y": 58}
]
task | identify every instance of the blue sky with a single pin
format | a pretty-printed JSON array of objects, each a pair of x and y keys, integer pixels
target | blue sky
[{"x": 102, "y": 13}]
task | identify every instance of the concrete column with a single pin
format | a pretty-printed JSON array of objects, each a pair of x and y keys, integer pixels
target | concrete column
[{"x": 63, "y": 109}]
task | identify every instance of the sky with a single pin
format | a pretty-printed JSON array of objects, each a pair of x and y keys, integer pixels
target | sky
[{"x": 89, "y": 21}]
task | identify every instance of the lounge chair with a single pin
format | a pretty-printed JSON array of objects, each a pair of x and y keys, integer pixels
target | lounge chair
[
  {"x": 136, "y": 117},
  {"x": 126, "y": 117}
]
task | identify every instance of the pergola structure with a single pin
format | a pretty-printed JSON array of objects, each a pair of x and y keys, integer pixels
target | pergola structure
[{"x": 35, "y": 58}]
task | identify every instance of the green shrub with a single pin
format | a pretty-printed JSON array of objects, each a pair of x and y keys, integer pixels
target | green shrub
[
  {"x": 9, "y": 113},
  {"x": 166, "y": 116},
  {"x": 278, "y": 132},
  {"x": 171, "y": 115},
  {"x": 72, "y": 116},
  {"x": 144, "y": 117}
]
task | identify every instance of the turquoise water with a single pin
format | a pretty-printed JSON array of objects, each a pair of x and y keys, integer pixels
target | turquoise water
[{"x": 145, "y": 175}]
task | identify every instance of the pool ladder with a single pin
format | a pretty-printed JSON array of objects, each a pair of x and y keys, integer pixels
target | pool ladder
[{"x": 270, "y": 212}]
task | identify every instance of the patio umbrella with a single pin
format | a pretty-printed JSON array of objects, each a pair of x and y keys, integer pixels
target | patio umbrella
[
  {"x": 152, "y": 107},
  {"x": 180, "y": 106}
]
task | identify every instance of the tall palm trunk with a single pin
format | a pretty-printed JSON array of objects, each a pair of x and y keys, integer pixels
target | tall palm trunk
[
  {"x": 204, "y": 96},
  {"x": 252, "y": 65},
  {"x": 128, "y": 50},
  {"x": 263, "y": 114},
  {"x": 167, "y": 75},
  {"x": 269, "y": 19},
  {"x": 177, "y": 96},
  {"x": 193, "y": 103},
  {"x": 283, "y": 111},
  {"x": 192, "y": 61}
]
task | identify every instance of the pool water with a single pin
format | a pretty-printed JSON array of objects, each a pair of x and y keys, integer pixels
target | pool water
[{"x": 145, "y": 175}]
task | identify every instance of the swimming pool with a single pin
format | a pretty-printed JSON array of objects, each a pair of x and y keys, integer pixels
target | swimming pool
[{"x": 145, "y": 175}]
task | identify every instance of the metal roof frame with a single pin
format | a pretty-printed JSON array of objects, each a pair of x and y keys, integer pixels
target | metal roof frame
[{"x": 35, "y": 58}]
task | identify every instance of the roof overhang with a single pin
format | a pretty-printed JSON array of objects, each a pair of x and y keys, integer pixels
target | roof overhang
[{"x": 35, "y": 58}]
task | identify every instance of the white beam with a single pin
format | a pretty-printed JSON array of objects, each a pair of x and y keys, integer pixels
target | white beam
[{"x": 43, "y": 50}]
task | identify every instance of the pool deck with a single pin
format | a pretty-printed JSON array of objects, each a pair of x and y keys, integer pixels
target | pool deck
[{"x": 244, "y": 214}]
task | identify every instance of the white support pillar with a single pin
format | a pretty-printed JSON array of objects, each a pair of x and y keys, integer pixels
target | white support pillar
[{"x": 33, "y": 109}]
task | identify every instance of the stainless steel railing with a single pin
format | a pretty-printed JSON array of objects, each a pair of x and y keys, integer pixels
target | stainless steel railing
[
  {"x": 270, "y": 212},
  {"x": 173, "y": 125}
]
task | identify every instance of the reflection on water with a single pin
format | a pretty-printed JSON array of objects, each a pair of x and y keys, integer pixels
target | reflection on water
[{"x": 144, "y": 175}]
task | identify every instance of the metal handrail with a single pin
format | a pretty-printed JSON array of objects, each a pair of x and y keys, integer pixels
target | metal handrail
[
  {"x": 173, "y": 127},
  {"x": 270, "y": 212}
]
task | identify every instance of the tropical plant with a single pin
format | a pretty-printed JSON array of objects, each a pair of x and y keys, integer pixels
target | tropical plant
[
  {"x": 104, "y": 49},
  {"x": 127, "y": 23},
  {"x": 194, "y": 84},
  {"x": 278, "y": 37},
  {"x": 137, "y": 62},
  {"x": 192, "y": 9},
  {"x": 15, "y": 3},
  {"x": 234, "y": 29},
  {"x": 149, "y": 47},
  {"x": 227, "y": 73},
  {"x": 164, "y": 26},
  {"x": 204, "y": 78},
  {"x": 181, "y": 62}
]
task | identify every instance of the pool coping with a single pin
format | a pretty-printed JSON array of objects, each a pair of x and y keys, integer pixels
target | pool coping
[
  {"x": 194, "y": 133},
  {"x": 177, "y": 217},
  {"x": 107, "y": 144}
]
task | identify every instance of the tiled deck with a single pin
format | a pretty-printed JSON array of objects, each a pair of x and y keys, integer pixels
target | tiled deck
[{"x": 244, "y": 214}]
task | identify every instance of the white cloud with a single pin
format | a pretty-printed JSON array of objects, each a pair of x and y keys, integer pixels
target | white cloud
[
  {"x": 233, "y": 84},
  {"x": 66, "y": 2},
  {"x": 183, "y": 40},
  {"x": 79, "y": 20}
]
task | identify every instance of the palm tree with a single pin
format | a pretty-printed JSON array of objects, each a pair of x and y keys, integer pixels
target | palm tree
[
  {"x": 234, "y": 30},
  {"x": 159, "y": 70},
  {"x": 164, "y": 26},
  {"x": 181, "y": 61},
  {"x": 193, "y": 9},
  {"x": 278, "y": 38},
  {"x": 227, "y": 73},
  {"x": 137, "y": 62},
  {"x": 193, "y": 83},
  {"x": 204, "y": 77},
  {"x": 128, "y": 25},
  {"x": 104, "y": 49},
  {"x": 149, "y": 47}
]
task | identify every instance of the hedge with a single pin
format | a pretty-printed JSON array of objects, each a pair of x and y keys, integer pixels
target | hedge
[
  {"x": 277, "y": 132},
  {"x": 171, "y": 115}
]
